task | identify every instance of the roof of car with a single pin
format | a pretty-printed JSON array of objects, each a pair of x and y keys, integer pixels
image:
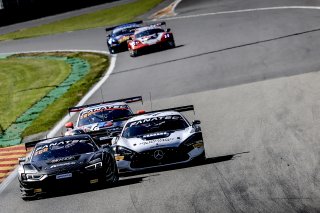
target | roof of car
[{"x": 152, "y": 115}]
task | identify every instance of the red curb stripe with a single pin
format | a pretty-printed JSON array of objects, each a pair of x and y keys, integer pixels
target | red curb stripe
[
  {"x": 12, "y": 148},
  {"x": 9, "y": 159},
  {"x": 8, "y": 164},
  {"x": 12, "y": 153},
  {"x": 6, "y": 170}
]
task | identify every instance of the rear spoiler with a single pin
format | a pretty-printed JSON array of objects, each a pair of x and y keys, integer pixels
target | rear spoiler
[
  {"x": 177, "y": 109},
  {"x": 34, "y": 143},
  {"x": 111, "y": 28},
  {"x": 126, "y": 100}
]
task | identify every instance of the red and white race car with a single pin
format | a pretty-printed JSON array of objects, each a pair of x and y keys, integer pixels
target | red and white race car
[{"x": 150, "y": 37}]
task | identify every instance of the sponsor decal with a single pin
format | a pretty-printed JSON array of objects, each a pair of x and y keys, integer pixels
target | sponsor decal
[
  {"x": 160, "y": 118},
  {"x": 123, "y": 39},
  {"x": 63, "y": 159},
  {"x": 56, "y": 145},
  {"x": 156, "y": 141},
  {"x": 62, "y": 164},
  {"x": 62, "y": 176}
]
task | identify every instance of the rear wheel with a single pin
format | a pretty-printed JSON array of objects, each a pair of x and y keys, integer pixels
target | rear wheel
[
  {"x": 171, "y": 44},
  {"x": 133, "y": 53}
]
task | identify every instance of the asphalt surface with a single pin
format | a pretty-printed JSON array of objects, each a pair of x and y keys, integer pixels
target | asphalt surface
[{"x": 253, "y": 78}]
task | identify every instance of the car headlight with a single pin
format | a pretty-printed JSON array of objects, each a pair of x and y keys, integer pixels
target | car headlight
[
  {"x": 94, "y": 164},
  {"x": 33, "y": 177},
  {"x": 122, "y": 153},
  {"x": 195, "y": 140}
]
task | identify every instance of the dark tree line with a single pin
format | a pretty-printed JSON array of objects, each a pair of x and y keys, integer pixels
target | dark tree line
[{"x": 15, "y": 11}]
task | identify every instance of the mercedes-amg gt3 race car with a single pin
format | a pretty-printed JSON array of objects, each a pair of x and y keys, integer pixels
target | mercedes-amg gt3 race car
[
  {"x": 158, "y": 138},
  {"x": 99, "y": 119},
  {"x": 117, "y": 39},
  {"x": 69, "y": 161},
  {"x": 150, "y": 37}
]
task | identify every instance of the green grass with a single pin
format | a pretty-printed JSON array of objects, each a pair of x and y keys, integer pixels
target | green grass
[
  {"x": 107, "y": 17},
  {"x": 53, "y": 113},
  {"x": 25, "y": 81}
]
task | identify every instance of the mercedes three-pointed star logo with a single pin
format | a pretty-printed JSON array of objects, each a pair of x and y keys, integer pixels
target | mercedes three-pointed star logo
[{"x": 158, "y": 154}]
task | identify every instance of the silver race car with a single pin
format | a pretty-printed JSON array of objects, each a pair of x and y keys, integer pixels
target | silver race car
[{"x": 158, "y": 138}]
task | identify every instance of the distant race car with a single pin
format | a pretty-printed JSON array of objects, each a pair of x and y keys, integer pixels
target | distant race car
[
  {"x": 152, "y": 36},
  {"x": 117, "y": 40},
  {"x": 69, "y": 161},
  {"x": 158, "y": 138},
  {"x": 99, "y": 119}
]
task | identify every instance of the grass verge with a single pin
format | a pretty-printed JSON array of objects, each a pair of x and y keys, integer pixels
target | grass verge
[
  {"x": 54, "y": 112},
  {"x": 107, "y": 17},
  {"x": 24, "y": 82}
]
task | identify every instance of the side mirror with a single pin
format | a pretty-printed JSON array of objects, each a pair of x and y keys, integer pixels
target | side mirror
[
  {"x": 130, "y": 38},
  {"x": 108, "y": 36},
  {"x": 22, "y": 160},
  {"x": 140, "y": 112},
  {"x": 196, "y": 122},
  {"x": 69, "y": 125},
  {"x": 114, "y": 140},
  {"x": 168, "y": 30}
]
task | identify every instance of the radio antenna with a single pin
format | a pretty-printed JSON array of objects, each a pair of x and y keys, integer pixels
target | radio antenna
[
  {"x": 101, "y": 94},
  {"x": 150, "y": 100}
]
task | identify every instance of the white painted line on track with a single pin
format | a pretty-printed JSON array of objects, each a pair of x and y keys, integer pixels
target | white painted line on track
[
  {"x": 8, "y": 180},
  {"x": 243, "y": 11}
]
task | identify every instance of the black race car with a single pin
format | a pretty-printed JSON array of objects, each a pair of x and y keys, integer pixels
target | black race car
[
  {"x": 117, "y": 39},
  {"x": 65, "y": 162}
]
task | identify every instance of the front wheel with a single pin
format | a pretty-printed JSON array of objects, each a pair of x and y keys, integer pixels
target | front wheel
[{"x": 112, "y": 174}]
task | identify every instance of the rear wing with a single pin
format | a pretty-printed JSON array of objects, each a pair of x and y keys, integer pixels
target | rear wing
[
  {"x": 34, "y": 143},
  {"x": 126, "y": 100},
  {"x": 111, "y": 28},
  {"x": 177, "y": 109}
]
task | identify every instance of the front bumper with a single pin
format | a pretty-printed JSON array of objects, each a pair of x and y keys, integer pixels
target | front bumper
[
  {"x": 51, "y": 183},
  {"x": 147, "y": 160}
]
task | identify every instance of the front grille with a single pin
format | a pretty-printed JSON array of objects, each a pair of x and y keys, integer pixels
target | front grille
[{"x": 149, "y": 158}]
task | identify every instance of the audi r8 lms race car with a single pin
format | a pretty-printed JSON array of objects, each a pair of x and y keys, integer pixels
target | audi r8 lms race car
[
  {"x": 158, "y": 138},
  {"x": 150, "y": 37},
  {"x": 68, "y": 161},
  {"x": 98, "y": 120},
  {"x": 117, "y": 40}
]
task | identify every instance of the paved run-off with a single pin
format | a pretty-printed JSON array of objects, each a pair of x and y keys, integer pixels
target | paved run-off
[{"x": 79, "y": 68}]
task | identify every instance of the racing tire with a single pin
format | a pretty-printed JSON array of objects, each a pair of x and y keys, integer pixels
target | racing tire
[
  {"x": 200, "y": 159},
  {"x": 171, "y": 44},
  {"x": 133, "y": 53},
  {"x": 112, "y": 174}
]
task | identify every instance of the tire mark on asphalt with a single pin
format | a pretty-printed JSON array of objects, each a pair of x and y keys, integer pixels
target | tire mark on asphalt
[{"x": 218, "y": 51}]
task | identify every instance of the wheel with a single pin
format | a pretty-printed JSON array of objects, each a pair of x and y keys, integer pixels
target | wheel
[
  {"x": 200, "y": 159},
  {"x": 171, "y": 44},
  {"x": 112, "y": 174},
  {"x": 133, "y": 53},
  {"x": 111, "y": 50}
]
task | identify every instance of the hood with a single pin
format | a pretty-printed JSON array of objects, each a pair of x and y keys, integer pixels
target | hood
[
  {"x": 150, "y": 39},
  {"x": 64, "y": 164},
  {"x": 154, "y": 141}
]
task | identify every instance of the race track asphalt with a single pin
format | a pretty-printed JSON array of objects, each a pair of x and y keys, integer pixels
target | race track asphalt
[{"x": 253, "y": 78}]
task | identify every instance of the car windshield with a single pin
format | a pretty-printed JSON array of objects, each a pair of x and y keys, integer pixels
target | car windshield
[
  {"x": 91, "y": 117},
  {"x": 65, "y": 148},
  {"x": 149, "y": 32},
  {"x": 123, "y": 31},
  {"x": 152, "y": 125}
]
